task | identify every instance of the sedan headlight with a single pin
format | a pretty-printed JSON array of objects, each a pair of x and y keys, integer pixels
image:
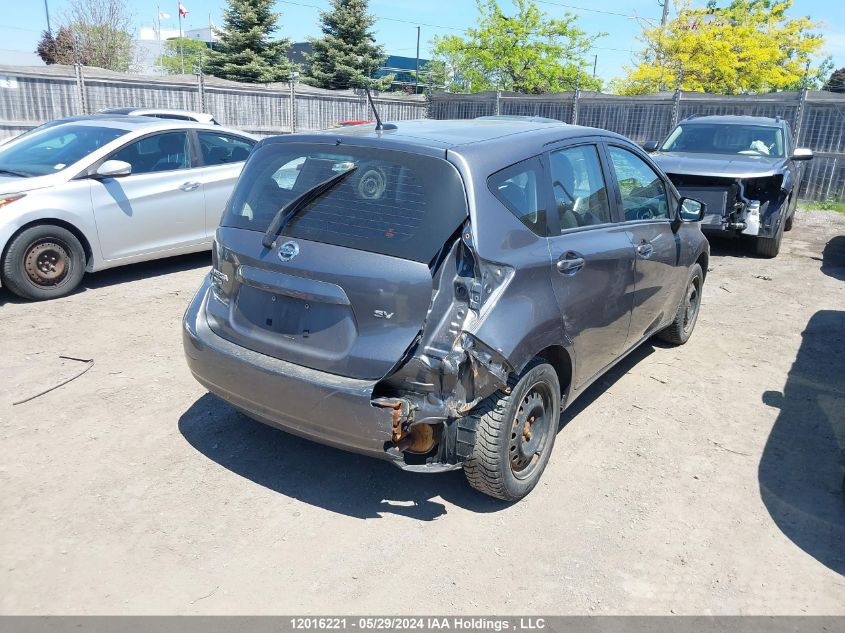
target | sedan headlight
[{"x": 10, "y": 198}]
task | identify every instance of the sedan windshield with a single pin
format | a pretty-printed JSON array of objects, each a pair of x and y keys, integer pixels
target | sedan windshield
[
  {"x": 54, "y": 148},
  {"x": 751, "y": 140}
]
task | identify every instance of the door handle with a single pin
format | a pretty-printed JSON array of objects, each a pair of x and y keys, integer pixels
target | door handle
[
  {"x": 570, "y": 263},
  {"x": 645, "y": 250},
  {"x": 189, "y": 186}
]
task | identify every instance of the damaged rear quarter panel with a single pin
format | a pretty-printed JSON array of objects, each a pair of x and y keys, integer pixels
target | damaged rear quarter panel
[{"x": 529, "y": 298}]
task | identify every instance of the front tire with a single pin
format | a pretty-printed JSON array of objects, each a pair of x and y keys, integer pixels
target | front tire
[
  {"x": 515, "y": 434},
  {"x": 43, "y": 262},
  {"x": 686, "y": 317},
  {"x": 770, "y": 246}
]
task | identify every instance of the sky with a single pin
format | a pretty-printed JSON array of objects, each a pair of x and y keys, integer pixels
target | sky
[{"x": 397, "y": 21}]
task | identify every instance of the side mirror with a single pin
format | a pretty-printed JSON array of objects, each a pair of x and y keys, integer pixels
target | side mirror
[
  {"x": 113, "y": 169},
  {"x": 651, "y": 146},
  {"x": 802, "y": 153},
  {"x": 690, "y": 210}
]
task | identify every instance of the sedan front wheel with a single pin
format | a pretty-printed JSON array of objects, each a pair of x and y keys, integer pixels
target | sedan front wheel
[{"x": 43, "y": 262}]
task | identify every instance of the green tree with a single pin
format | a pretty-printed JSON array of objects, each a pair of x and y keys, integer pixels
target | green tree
[
  {"x": 195, "y": 52},
  {"x": 94, "y": 33},
  {"x": 836, "y": 82},
  {"x": 346, "y": 56},
  {"x": 528, "y": 52},
  {"x": 245, "y": 51},
  {"x": 747, "y": 46}
]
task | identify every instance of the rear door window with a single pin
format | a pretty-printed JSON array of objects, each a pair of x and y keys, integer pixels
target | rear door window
[
  {"x": 519, "y": 188},
  {"x": 579, "y": 187},
  {"x": 221, "y": 149},
  {"x": 394, "y": 203}
]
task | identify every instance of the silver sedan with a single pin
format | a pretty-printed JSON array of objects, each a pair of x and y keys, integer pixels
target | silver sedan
[{"x": 90, "y": 194}]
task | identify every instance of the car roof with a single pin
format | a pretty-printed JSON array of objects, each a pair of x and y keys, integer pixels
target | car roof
[
  {"x": 133, "y": 123},
  {"x": 735, "y": 119},
  {"x": 446, "y": 134},
  {"x": 176, "y": 111}
]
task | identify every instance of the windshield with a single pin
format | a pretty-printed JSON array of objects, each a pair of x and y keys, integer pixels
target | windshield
[
  {"x": 715, "y": 138},
  {"x": 394, "y": 203},
  {"x": 52, "y": 149}
]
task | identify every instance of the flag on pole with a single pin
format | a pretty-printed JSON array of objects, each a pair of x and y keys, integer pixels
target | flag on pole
[
  {"x": 182, "y": 10},
  {"x": 163, "y": 16}
]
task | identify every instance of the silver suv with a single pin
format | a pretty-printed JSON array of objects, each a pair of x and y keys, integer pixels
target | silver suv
[{"x": 436, "y": 293}]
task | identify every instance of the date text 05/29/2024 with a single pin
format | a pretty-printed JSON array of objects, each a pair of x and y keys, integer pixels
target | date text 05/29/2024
[{"x": 456, "y": 623}]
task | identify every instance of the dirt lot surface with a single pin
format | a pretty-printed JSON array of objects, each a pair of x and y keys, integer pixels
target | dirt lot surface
[{"x": 701, "y": 479}]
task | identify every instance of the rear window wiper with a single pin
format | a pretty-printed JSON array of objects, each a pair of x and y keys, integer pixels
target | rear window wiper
[{"x": 286, "y": 213}]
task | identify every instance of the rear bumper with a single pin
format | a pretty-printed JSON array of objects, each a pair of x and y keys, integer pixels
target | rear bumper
[{"x": 326, "y": 408}]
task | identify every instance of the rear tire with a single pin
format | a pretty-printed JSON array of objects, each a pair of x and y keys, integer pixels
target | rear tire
[
  {"x": 43, "y": 262},
  {"x": 515, "y": 434},
  {"x": 788, "y": 225},
  {"x": 686, "y": 317}
]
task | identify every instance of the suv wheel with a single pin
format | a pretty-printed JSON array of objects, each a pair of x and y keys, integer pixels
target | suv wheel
[
  {"x": 682, "y": 326},
  {"x": 43, "y": 262},
  {"x": 515, "y": 434},
  {"x": 770, "y": 246}
]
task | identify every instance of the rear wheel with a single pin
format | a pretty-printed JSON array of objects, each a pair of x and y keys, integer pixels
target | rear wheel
[
  {"x": 515, "y": 434},
  {"x": 43, "y": 262},
  {"x": 682, "y": 326},
  {"x": 788, "y": 225}
]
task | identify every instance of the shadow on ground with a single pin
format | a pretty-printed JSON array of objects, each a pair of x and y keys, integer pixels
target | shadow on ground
[
  {"x": 146, "y": 270},
  {"x": 727, "y": 246},
  {"x": 801, "y": 469},
  {"x": 342, "y": 482},
  {"x": 128, "y": 274},
  {"x": 833, "y": 258}
]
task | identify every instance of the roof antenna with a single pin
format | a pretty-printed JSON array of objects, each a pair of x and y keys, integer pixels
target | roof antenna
[{"x": 379, "y": 125}]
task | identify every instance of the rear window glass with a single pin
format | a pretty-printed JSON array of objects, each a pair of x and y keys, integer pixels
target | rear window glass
[{"x": 394, "y": 203}]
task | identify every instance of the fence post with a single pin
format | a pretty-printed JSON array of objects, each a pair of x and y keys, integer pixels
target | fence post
[
  {"x": 576, "y": 96},
  {"x": 799, "y": 114},
  {"x": 200, "y": 91},
  {"x": 80, "y": 88},
  {"x": 498, "y": 109},
  {"x": 676, "y": 106},
  {"x": 292, "y": 105}
]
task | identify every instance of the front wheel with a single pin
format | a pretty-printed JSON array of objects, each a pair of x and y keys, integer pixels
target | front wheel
[
  {"x": 770, "y": 246},
  {"x": 43, "y": 262},
  {"x": 515, "y": 433},
  {"x": 686, "y": 317}
]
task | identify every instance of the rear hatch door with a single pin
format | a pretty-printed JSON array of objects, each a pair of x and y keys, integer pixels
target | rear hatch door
[{"x": 348, "y": 284}]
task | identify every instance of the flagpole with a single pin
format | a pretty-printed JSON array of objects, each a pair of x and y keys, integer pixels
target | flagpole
[
  {"x": 181, "y": 44},
  {"x": 158, "y": 36}
]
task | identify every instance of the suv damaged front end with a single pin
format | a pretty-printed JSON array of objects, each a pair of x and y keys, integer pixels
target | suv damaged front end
[
  {"x": 739, "y": 204},
  {"x": 357, "y": 327}
]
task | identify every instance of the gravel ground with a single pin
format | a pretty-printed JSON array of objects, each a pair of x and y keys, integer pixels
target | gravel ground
[{"x": 703, "y": 479}]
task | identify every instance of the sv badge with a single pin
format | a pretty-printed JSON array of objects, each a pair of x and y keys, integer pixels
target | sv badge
[{"x": 382, "y": 314}]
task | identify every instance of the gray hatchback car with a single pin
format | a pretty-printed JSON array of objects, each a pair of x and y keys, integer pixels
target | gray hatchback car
[{"x": 435, "y": 293}]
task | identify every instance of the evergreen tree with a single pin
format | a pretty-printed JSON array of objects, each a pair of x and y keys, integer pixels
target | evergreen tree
[
  {"x": 245, "y": 52},
  {"x": 836, "y": 83},
  {"x": 59, "y": 49},
  {"x": 346, "y": 56}
]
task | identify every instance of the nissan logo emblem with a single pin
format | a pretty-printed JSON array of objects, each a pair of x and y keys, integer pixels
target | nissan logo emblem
[{"x": 288, "y": 251}]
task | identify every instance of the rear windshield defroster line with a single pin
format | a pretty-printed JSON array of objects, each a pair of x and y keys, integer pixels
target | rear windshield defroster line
[{"x": 395, "y": 203}]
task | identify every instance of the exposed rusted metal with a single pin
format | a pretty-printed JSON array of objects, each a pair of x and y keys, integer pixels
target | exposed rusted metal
[
  {"x": 46, "y": 263},
  {"x": 420, "y": 438}
]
